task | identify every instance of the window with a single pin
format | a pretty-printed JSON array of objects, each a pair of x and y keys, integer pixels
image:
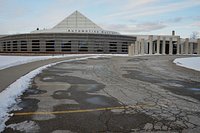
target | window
[
  {"x": 125, "y": 47},
  {"x": 4, "y": 46},
  {"x": 113, "y": 47},
  {"x": 82, "y": 46},
  {"x": 23, "y": 45},
  {"x": 50, "y": 45},
  {"x": 35, "y": 45},
  {"x": 8, "y": 46},
  {"x": 14, "y": 45},
  {"x": 66, "y": 46}
]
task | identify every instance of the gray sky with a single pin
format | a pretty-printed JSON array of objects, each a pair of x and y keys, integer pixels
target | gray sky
[{"x": 124, "y": 16}]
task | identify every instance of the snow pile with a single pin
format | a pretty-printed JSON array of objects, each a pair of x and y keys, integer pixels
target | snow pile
[
  {"x": 191, "y": 62},
  {"x": 8, "y": 96}
]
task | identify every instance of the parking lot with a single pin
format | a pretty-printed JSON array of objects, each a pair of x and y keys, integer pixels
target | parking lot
[{"x": 111, "y": 94}]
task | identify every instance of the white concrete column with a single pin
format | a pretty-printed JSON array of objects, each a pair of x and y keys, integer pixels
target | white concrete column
[
  {"x": 136, "y": 48},
  {"x": 191, "y": 48},
  {"x": 164, "y": 45},
  {"x": 198, "y": 46},
  {"x": 130, "y": 50},
  {"x": 142, "y": 46},
  {"x": 170, "y": 46},
  {"x": 158, "y": 45},
  {"x": 133, "y": 49},
  {"x": 139, "y": 47},
  {"x": 182, "y": 48},
  {"x": 186, "y": 45},
  {"x": 150, "y": 44},
  {"x": 178, "y": 45}
]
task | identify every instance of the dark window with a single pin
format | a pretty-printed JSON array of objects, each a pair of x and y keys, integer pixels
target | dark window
[
  {"x": 125, "y": 47},
  {"x": 35, "y": 45},
  {"x": 23, "y": 45},
  {"x": 167, "y": 47},
  {"x": 50, "y": 45},
  {"x": 98, "y": 48},
  {"x": 8, "y": 46},
  {"x": 82, "y": 46},
  {"x": 4, "y": 46},
  {"x": 113, "y": 47},
  {"x": 14, "y": 45},
  {"x": 66, "y": 46}
]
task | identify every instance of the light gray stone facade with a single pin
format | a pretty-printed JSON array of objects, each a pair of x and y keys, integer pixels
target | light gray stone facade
[{"x": 166, "y": 45}]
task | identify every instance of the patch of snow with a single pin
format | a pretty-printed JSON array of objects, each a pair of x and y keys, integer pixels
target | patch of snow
[
  {"x": 191, "y": 62},
  {"x": 119, "y": 54},
  {"x": 25, "y": 126},
  {"x": 9, "y": 61},
  {"x": 9, "y": 96}
]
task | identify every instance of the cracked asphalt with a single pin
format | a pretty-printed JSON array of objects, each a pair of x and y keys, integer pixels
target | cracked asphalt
[{"x": 111, "y": 94}]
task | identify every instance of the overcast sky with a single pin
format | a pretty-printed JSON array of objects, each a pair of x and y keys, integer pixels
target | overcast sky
[{"x": 124, "y": 16}]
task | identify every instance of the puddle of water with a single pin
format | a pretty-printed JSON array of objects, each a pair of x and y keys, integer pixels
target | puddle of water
[
  {"x": 100, "y": 58},
  {"x": 89, "y": 87},
  {"x": 174, "y": 84},
  {"x": 97, "y": 101},
  {"x": 47, "y": 78},
  {"x": 136, "y": 60},
  {"x": 61, "y": 94},
  {"x": 63, "y": 74},
  {"x": 194, "y": 89},
  {"x": 92, "y": 87},
  {"x": 34, "y": 91}
]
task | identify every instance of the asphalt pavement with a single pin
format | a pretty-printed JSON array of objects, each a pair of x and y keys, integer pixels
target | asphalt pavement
[{"x": 111, "y": 94}]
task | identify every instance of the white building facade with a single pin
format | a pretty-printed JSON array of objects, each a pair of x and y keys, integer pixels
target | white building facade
[{"x": 171, "y": 45}]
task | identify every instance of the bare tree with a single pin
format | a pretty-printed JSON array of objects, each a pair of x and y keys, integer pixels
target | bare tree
[{"x": 194, "y": 35}]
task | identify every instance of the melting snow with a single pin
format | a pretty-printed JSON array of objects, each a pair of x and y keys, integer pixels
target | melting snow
[
  {"x": 191, "y": 62},
  {"x": 9, "y": 61}
]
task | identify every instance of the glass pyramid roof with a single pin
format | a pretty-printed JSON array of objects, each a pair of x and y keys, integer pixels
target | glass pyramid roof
[{"x": 76, "y": 23}]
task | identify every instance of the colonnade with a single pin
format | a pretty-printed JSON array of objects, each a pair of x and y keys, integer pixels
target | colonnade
[{"x": 164, "y": 45}]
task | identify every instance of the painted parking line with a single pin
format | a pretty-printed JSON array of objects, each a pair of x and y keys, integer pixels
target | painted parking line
[{"x": 79, "y": 111}]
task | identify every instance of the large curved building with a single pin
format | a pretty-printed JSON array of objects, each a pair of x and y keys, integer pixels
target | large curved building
[{"x": 75, "y": 34}]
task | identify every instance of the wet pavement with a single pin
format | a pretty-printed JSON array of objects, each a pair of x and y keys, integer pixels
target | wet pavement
[{"x": 111, "y": 94}]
